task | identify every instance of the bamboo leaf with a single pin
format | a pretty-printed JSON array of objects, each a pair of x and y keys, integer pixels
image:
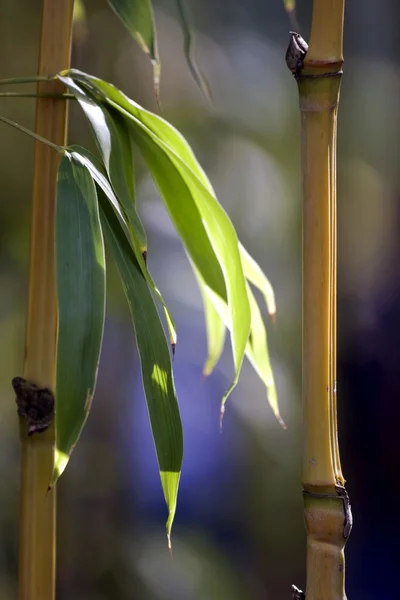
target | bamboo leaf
[
  {"x": 256, "y": 348},
  {"x": 189, "y": 51},
  {"x": 154, "y": 357},
  {"x": 138, "y": 18},
  {"x": 114, "y": 144},
  {"x": 205, "y": 229},
  {"x": 98, "y": 173},
  {"x": 163, "y": 148},
  {"x": 258, "y": 355},
  {"x": 215, "y": 327},
  {"x": 80, "y": 276},
  {"x": 257, "y": 277}
]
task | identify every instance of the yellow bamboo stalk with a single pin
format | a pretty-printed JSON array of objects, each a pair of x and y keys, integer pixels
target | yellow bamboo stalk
[
  {"x": 38, "y": 508},
  {"x": 317, "y": 69}
]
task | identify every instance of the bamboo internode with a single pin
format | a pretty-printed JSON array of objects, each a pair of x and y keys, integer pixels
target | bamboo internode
[
  {"x": 38, "y": 507},
  {"x": 317, "y": 69}
]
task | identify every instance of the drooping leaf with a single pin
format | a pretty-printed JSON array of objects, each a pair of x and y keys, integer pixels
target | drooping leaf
[
  {"x": 215, "y": 327},
  {"x": 188, "y": 47},
  {"x": 204, "y": 228},
  {"x": 257, "y": 277},
  {"x": 138, "y": 18},
  {"x": 176, "y": 150},
  {"x": 258, "y": 355},
  {"x": 154, "y": 357},
  {"x": 98, "y": 173},
  {"x": 114, "y": 144},
  {"x": 256, "y": 348},
  {"x": 80, "y": 278}
]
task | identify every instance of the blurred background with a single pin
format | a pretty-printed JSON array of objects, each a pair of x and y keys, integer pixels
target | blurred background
[{"x": 239, "y": 530}]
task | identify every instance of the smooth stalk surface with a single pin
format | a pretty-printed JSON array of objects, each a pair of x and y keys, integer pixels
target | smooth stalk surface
[
  {"x": 38, "y": 507},
  {"x": 326, "y": 508}
]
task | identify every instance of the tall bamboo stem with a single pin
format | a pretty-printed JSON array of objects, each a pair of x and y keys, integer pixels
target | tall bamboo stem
[
  {"x": 326, "y": 507},
  {"x": 38, "y": 508}
]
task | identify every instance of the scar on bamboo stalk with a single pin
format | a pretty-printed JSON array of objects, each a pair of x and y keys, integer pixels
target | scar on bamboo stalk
[{"x": 34, "y": 403}]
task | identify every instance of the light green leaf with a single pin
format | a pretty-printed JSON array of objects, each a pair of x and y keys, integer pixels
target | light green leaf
[
  {"x": 216, "y": 329},
  {"x": 154, "y": 357},
  {"x": 80, "y": 277},
  {"x": 138, "y": 18},
  {"x": 258, "y": 355},
  {"x": 257, "y": 277},
  {"x": 204, "y": 228},
  {"x": 256, "y": 348}
]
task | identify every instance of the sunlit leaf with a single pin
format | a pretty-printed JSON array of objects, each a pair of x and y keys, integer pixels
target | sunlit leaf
[
  {"x": 215, "y": 326},
  {"x": 80, "y": 277},
  {"x": 257, "y": 353},
  {"x": 138, "y": 18},
  {"x": 257, "y": 277},
  {"x": 203, "y": 226},
  {"x": 154, "y": 357}
]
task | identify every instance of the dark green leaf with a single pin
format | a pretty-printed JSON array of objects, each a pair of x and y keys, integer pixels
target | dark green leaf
[
  {"x": 80, "y": 276},
  {"x": 154, "y": 357},
  {"x": 99, "y": 175},
  {"x": 188, "y": 47}
]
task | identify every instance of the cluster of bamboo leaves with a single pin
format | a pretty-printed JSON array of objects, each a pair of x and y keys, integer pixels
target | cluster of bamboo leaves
[{"x": 96, "y": 207}]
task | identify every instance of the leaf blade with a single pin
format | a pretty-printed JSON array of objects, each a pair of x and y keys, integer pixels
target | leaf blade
[
  {"x": 155, "y": 361},
  {"x": 257, "y": 277},
  {"x": 138, "y": 18},
  {"x": 80, "y": 277}
]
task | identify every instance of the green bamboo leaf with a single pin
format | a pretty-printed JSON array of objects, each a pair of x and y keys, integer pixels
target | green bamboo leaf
[
  {"x": 258, "y": 355},
  {"x": 257, "y": 277},
  {"x": 203, "y": 225},
  {"x": 138, "y": 18},
  {"x": 80, "y": 276},
  {"x": 154, "y": 357},
  {"x": 215, "y": 327},
  {"x": 189, "y": 51},
  {"x": 256, "y": 348},
  {"x": 98, "y": 173},
  {"x": 114, "y": 144}
]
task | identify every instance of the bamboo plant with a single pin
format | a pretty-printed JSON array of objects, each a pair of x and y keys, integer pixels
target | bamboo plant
[
  {"x": 82, "y": 202},
  {"x": 318, "y": 70}
]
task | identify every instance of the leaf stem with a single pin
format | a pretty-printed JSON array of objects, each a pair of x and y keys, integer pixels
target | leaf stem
[
  {"x": 31, "y": 79},
  {"x": 35, "y": 95},
  {"x": 37, "y": 137}
]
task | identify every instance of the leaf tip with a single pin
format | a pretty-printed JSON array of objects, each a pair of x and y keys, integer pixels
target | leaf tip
[
  {"x": 281, "y": 421},
  {"x": 170, "y": 545},
  {"x": 221, "y": 417}
]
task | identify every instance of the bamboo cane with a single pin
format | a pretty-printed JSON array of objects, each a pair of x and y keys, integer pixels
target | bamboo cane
[
  {"x": 38, "y": 508},
  {"x": 317, "y": 69}
]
